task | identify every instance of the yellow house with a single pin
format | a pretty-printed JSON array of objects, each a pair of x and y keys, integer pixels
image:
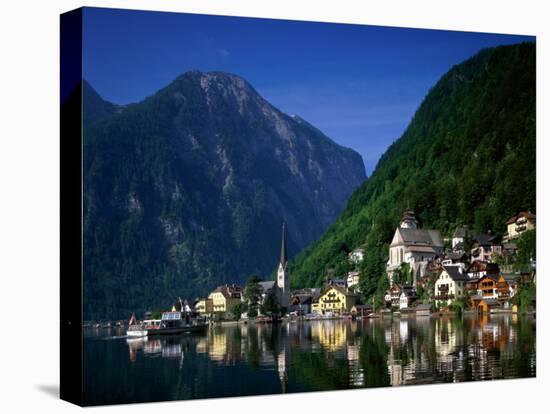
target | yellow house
[
  {"x": 204, "y": 306},
  {"x": 519, "y": 224},
  {"x": 334, "y": 299},
  {"x": 224, "y": 298}
]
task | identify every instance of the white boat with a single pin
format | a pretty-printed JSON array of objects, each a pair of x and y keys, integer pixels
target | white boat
[{"x": 136, "y": 332}]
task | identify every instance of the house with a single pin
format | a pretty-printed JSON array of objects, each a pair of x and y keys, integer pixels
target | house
[
  {"x": 356, "y": 256},
  {"x": 361, "y": 310},
  {"x": 334, "y": 299},
  {"x": 407, "y": 297},
  {"x": 487, "y": 287},
  {"x": 399, "y": 294},
  {"x": 496, "y": 287},
  {"x": 513, "y": 280},
  {"x": 478, "y": 269},
  {"x": 455, "y": 258},
  {"x": 224, "y": 298},
  {"x": 450, "y": 285},
  {"x": 459, "y": 239},
  {"x": 412, "y": 245},
  {"x": 301, "y": 300},
  {"x": 519, "y": 224},
  {"x": 204, "y": 306},
  {"x": 484, "y": 247},
  {"x": 353, "y": 279}
]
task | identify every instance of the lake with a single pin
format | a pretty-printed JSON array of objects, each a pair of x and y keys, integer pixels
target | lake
[{"x": 305, "y": 356}]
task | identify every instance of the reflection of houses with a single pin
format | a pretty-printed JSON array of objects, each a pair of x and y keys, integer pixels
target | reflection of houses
[
  {"x": 519, "y": 224},
  {"x": 450, "y": 285},
  {"x": 412, "y": 245},
  {"x": 331, "y": 336},
  {"x": 445, "y": 339},
  {"x": 485, "y": 247},
  {"x": 356, "y": 375},
  {"x": 224, "y": 298},
  {"x": 335, "y": 299}
]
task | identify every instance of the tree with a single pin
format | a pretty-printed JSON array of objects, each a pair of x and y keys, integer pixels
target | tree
[
  {"x": 270, "y": 305},
  {"x": 252, "y": 295},
  {"x": 239, "y": 309},
  {"x": 403, "y": 275},
  {"x": 525, "y": 296},
  {"x": 527, "y": 250}
]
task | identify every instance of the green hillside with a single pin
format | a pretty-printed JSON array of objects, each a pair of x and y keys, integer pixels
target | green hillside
[{"x": 467, "y": 158}]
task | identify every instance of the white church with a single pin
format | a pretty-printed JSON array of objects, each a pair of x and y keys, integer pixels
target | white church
[
  {"x": 414, "y": 246},
  {"x": 283, "y": 275}
]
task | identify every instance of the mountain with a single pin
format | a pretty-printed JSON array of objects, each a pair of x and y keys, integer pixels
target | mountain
[
  {"x": 188, "y": 189},
  {"x": 95, "y": 108},
  {"x": 467, "y": 158}
]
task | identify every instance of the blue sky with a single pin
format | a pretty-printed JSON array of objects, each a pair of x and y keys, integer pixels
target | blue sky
[{"x": 359, "y": 84}]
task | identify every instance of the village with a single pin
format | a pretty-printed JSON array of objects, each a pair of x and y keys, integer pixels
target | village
[{"x": 424, "y": 277}]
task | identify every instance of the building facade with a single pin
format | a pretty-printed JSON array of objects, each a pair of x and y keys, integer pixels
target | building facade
[
  {"x": 334, "y": 299},
  {"x": 519, "y": 224},
  {"x": 414, "y": 246}
]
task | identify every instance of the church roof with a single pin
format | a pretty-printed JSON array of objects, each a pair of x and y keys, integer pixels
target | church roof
[
  {"x": 421, "y": 237},
  {"x": 267, "y": 285}
]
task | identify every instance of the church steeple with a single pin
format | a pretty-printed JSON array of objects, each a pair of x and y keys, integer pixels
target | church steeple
[
  {"x": 283, "y": 275},
  {"x": 283, "y": 260},
  {"x": 409, "y": 221}
]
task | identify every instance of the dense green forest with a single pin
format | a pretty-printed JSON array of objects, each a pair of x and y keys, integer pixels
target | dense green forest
[{"x": 466, "y": 158}]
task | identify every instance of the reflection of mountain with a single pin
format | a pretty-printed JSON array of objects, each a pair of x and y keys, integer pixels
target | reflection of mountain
[{"x": 187, "y": 190}]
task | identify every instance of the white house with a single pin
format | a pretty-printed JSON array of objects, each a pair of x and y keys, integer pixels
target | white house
[
  {"x": 406, "y": 298},
  {"x": 450, "y": 285},
  {"x": 353, "y": 279},
  {"x": 459, "y": 238}
]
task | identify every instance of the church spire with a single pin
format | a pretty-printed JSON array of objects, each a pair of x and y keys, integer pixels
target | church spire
[{"x": 283, "y": 247}]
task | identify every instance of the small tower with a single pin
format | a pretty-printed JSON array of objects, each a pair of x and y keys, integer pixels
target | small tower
[
  {"x": 283, "y": 275},
  {"x": 409, "y": 221}
]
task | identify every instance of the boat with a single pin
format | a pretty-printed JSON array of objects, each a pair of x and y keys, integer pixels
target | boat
[
  {"x": 135, "y": 329},
  {"x": 177, "y": 322}
]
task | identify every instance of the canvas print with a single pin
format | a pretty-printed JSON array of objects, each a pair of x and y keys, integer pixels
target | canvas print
[{"x": 273, "y": 206}]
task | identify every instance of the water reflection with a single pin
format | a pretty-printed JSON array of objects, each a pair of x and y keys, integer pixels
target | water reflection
[{"x": 317, "y": 355}]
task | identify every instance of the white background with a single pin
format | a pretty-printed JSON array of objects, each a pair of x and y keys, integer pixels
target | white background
[{"x": 29, "y": 206}]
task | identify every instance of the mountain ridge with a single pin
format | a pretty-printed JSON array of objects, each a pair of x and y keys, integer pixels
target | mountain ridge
[{"x": 188, "y": 188}]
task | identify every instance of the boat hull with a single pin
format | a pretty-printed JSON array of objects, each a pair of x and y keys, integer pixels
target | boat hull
[
  {"x": 137, "y": 333},
  {"x": 177, "y": 330}
]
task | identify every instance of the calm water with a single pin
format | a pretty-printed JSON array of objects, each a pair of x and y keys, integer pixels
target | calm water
[{"x": 308, "y": 356}]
